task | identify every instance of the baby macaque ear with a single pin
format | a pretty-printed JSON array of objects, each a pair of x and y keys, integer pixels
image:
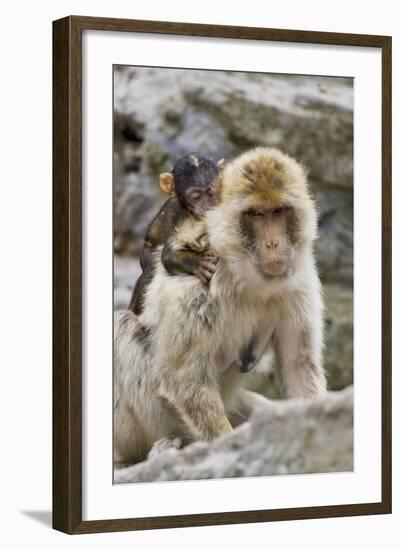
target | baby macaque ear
[
  {"x": 220, "y": 164},
  {"x": 167, "y": 183}
]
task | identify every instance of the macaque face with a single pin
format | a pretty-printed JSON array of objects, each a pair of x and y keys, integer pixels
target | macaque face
[
  {"x": 193, "y": 178},
  {"x": 269, "y": 235},
  {"x": 199, "y": 200}
]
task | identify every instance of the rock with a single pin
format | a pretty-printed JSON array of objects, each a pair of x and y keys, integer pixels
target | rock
[
  {"x": 339, "y": 337},
  {"x": 288, "y": 437},
  {"x": 126, "y": 273},
  {"x": 162, "y": 114},
  {"x": 334, "y": 246}
]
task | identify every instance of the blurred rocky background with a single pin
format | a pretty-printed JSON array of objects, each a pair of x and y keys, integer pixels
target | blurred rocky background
[{"x": 161, "y": 114}]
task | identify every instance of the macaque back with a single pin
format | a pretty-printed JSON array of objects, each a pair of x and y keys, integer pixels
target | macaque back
[{"x": 190, "y": 185}]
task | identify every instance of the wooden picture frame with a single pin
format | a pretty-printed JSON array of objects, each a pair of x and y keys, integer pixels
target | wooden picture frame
[{"x": 67, "y": 273}]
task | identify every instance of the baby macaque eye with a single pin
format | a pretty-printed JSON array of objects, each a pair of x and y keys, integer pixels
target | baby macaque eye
[
  {"x": 254, "y": 212},
  {"x": 195, "y": 196}
]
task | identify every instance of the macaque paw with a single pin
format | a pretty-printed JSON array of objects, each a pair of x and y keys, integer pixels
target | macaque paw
[{"x": 164, "y": 444}]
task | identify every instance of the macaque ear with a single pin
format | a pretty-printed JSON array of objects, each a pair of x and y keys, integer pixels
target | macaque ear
[
  {"x": 167, "y": 183},
  {"x": 220, "y": 164}
]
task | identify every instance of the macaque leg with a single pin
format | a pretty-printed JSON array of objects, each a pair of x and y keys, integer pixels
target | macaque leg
[
  {"x": 248, "y": 403},
  {"x": 298, "y": 354},
  {"x": 200, "y": 409}
]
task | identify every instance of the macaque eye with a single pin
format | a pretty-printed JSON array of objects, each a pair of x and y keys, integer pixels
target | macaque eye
[
  {"x": 254, "y": 212},
  {"x": 195, "y": 196},
  {"x": 279, "y": 211}
]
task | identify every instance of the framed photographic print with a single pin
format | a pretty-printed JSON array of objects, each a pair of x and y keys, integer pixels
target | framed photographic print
[{"x": 222, "y": 274}]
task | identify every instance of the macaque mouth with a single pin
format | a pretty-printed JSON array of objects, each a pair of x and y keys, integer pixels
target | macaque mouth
[{"x": 275, "y": 268}]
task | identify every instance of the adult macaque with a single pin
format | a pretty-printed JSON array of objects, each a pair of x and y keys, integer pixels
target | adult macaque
[
  {"x": 190, "y": 186},
  {"x": 176, "y": 365}
]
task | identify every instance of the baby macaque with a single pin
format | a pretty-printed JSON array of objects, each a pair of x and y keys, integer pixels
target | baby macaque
[{"x": 190, "y": 186}]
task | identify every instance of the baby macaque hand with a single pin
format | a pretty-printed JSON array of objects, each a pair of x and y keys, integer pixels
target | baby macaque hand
[{"x": 207, "y": 266}]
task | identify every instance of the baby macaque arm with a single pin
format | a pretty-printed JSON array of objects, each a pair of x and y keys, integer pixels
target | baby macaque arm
[
  {"x": 162, "y": 224},
  {"x": 200, "y": 264},
  {"x": 146, "y": 257}
]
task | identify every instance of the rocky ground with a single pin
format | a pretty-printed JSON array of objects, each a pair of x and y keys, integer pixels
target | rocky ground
[{"x": 161, "y": 115}]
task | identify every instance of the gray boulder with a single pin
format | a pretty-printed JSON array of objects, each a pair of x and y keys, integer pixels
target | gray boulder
[
  {"x": 339, "y": 336},
  {"x": 288, "y": 437}
]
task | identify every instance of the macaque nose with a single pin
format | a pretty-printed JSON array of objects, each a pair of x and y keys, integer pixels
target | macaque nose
[{"x": 272, "y": 244}]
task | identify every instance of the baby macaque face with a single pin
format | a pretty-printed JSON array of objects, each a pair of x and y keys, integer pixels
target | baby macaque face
[
  {"x": 199, "y": 200},
  {"x": 191, "y": 181}
]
